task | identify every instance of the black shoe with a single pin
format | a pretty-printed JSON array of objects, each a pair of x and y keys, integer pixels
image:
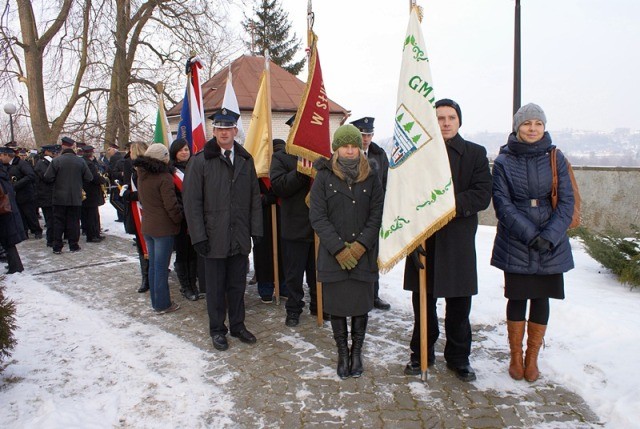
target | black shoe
[
  {"x": 57, "y": 251},
  {"x": 49, "y": 244},
  {"x": 74, "y": 249},
  {"x": 380, "y": 304},
  {"x": 189, "y": 294},
  {"x": 143, "y": 289},
  {"x": 97, "y": 239},
  {"x": 464, "y": 373},
  {"x": 413, "y": 367},
  {"x": 245, "y": 336},
  {"x": 220, "y": 342},
  {"x": 253, "y": 280},
  {"x": 292, "y": 320}
]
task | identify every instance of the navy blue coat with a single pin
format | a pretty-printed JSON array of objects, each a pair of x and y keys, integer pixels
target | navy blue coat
[{"x": 521, "y": 173}]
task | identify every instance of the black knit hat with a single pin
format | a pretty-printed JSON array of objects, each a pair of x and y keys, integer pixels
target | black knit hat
[{"x": 453, "y": 104}]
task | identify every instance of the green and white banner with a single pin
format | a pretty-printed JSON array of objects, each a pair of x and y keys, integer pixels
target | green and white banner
[{"x": 420, "y": 197}]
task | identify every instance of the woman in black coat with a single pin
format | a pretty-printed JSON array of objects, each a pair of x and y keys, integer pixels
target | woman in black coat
[
  {"x": 11, "y": 228},
  {"x": 346, "y": 213},
  {"x": 186, "y": 261},
  {"x": 531, "y": 245}
]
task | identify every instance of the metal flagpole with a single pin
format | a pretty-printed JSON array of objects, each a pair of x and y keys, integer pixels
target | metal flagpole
[
  {"x": 423, "y": 316},
  {"x": 516, "y": 61}
]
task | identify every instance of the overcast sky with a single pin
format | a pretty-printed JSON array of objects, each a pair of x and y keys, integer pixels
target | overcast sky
[{"x": 580, "y": 58}]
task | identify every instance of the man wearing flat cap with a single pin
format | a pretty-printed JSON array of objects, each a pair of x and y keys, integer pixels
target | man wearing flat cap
[
  {"x": 222, "y": 206},
  {"x": 67, "y": 172},
  {"x": 379, "y": 162},
  {"x": 44, "y": 189},
  {"x": 451, "y": 252},
  {"x": 90, "y": 214},
  {"x": 24, "y": 183}
]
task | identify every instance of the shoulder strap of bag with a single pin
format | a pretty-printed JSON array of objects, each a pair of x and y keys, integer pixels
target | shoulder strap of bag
[{"x": 554, "y": 180}]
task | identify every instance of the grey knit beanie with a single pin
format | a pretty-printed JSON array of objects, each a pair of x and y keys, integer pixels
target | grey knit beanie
[
  {"x": 528, "y": 112},
  {"x": 158, "y": 151},
  {"x": 346, "y": 134}
]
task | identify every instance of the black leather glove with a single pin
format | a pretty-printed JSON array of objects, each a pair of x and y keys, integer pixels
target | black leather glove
[
  {"x": 256, "y": 240},
  {"x": 202, "y": 247},
  {"x": 540, "y": 244},
  {"x": 415, "y": 257}
]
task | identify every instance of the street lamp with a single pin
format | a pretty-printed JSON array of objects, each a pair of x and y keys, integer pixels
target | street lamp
[{"x": 10, "y": 109}]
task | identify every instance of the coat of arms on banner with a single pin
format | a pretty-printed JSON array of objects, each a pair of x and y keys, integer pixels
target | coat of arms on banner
[{"x": 409, "y": 136}]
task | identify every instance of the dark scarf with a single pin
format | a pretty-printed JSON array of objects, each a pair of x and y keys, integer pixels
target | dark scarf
[{"x": 350, "y": 168}]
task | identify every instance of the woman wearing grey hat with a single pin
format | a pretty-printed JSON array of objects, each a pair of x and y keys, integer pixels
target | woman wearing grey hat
[
  {"x": 346, "y": 213},
  {"x": 531, "y": 244}
]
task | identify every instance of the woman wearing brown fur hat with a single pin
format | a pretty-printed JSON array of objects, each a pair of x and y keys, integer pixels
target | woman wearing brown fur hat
[{"x": 346, "y": 213}]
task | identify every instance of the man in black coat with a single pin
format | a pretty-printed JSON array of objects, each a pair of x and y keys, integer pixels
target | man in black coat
[
  {"x": 222, "y": 206},
  {"x": 67, "y": 172},
  {"x": 298, "y": 250},
  {"x": 451, "y": 252},
  {"x": 90, "y": 214},
  {"x": 45, "y": 189},
  {"x": 116, "y": 172},
  {"x": 24, "y": 183},
  {"x": 379, "y": 162}
]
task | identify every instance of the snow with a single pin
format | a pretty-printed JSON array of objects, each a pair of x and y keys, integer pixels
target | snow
[{"x": 65, "y": 371}]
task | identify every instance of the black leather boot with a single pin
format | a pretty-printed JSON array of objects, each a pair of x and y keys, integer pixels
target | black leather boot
[
  {"x": 144, "y": 271},
  {"x": 14, "y": 261},
  {"x": 183, "y": 278},
  {"x": 358, "y": 329},
  {"x": 339, "y": 326},
  {"x": 192, "y": 273}
]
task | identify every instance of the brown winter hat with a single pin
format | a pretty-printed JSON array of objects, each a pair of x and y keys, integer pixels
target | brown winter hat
[{"x": 158, "y": 151}]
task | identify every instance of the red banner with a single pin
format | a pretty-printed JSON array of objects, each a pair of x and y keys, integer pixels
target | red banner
[{"x": 309, "y": 137}]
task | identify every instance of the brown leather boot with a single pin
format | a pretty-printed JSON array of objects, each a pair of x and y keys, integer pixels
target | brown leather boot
[
  {"x": 516, "y": 334},
  {"x": 535, "y": 338}
]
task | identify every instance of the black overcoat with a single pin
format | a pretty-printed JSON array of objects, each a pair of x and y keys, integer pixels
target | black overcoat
[
  {"x": 44, "y": 189},
  {"x": 24, "y": 180},
  {"x": 379, "y": 162},
  {"x": 11, "y": 226},
  {"x": 222, "y": 202},
  {"x": 68, "y": 172},
  {"x": 292, "y": 188},
  {"x": 451, "y": 251},
  {"x": 341, "y": 215},
  {"x": 93, "y": 188}
]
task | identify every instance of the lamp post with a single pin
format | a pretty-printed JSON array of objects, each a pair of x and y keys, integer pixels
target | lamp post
[{"x": 10, "y": 109}]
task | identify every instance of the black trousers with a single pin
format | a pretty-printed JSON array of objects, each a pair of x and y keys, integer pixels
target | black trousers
[
  {"x": 298, "y": 257},
  {"x": 47, "y": 212},
  {"x": 66, "y": 220},
  {"x": 13, "y": 260},
  {"x": 456, "y": 324},
  {"x": 226, "y": 280},
  {"x": 29, "y": 214},
  {"x": 90, "y": 219}
]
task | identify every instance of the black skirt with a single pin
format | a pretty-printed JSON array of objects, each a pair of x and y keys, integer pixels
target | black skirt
[
  {"x": 347, "y": 298},
  {"x": 532, "y": 286}
]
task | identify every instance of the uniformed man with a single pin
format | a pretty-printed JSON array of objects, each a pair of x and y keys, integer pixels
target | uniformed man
[
  {"x": 24, "y": 183},
  {"x": 90, "y": 213},
  {"x": 67, "y": 172},
  {"x": 379, "y": 162},
  {"x": 44, "y": 190},
  {"x": 116, "y": 173},
  {"x": 222, "y": 206}
]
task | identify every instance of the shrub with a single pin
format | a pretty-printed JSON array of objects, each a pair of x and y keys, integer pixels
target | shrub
[
  {"x": 7, "y": 325},
  {"x": 619, "y": 254}
]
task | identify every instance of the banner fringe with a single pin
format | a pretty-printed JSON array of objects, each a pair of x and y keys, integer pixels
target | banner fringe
[{"x": 442, "y": 221}]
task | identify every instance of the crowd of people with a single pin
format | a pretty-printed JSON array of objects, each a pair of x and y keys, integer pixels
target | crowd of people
[{"x": 211, "y": 209}]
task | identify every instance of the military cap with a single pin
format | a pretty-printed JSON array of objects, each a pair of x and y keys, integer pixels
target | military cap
[
  {"x": 291, "y": 120},
  {"x": 365, "y": 125},
  {"x": 58, "y": 147},
  {"x": 11, "y": 144},
  {"x": 67, "y": 141},
  {"x": 87, "y": 149},
  {"x": 115, "y": 146},
  {"x": 7, "y": 150},
  {"x": 49, "y": 147},
  {"x": 80, "y": 145},
  {"x": 21, "y": 151},
  {"x": 225, "y": 118}
]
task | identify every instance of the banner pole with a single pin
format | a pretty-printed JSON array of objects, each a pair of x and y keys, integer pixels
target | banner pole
[
  {"x": 423, "y": 316},
  {"x": 319, "y": 305},
  {"x": 274, "y": 243}
]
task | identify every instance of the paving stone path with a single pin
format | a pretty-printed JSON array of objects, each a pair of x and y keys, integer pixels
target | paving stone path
[{"x": 288, "y": 379}]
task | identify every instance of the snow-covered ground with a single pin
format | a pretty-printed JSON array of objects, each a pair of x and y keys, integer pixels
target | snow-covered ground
[{"x": 592, "y": 348}]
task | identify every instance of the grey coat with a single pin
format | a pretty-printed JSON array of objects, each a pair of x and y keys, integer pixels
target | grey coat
[
  {"x": 338, "y": 215},
  {"x": 451, "y": 251},
  {"x": 222, "y": 202},
  {"x": 68, "y": 172}
]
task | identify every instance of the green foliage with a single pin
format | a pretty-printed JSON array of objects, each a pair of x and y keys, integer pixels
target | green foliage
[
  {"x": 619, "y": 254},
  {"x": 269, "y": 29},
  {"x": 7, "y": 325}
]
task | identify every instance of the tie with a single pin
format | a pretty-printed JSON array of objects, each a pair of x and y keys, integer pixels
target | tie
[{"x": 227, "y": 154}]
